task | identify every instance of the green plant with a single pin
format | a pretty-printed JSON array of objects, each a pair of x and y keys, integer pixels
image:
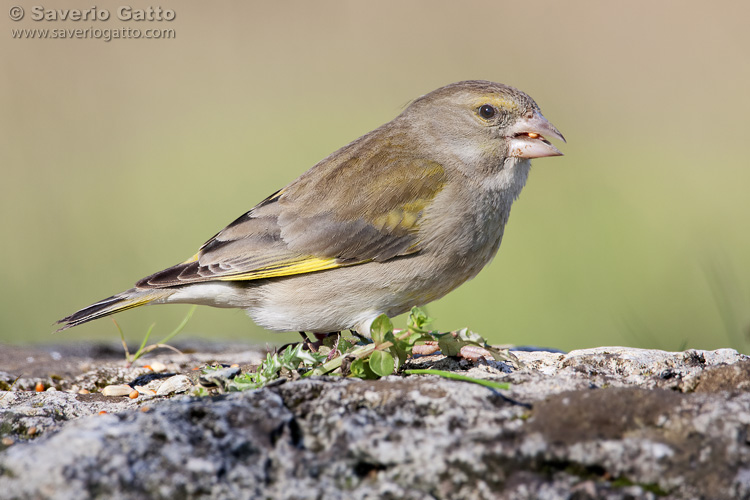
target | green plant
[
  {"x": 390, "y": 348},
  {"x": 144, "y": 349},
  {"x": 385, "y": 355},
  {"x": 292, "y": 359}
]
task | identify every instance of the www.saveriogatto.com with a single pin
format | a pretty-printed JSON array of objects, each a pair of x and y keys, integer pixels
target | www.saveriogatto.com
[{"x": 135, "y": 23}]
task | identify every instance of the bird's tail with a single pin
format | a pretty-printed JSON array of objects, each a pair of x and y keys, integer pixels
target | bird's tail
[{"x": 114, "y": 304}]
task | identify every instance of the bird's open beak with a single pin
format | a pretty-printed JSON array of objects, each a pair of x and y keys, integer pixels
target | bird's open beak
[{"x": 527, "y": 138}]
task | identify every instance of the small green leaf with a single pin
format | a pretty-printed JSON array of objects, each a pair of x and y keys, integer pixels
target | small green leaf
[
  {"x": 418, "y": 320},
  {"x": 360, "y": 368},
  {"x": 450, "y": 345},
  {"x": 468, "y": 336},
  {"x": 381, "y": 363},
  {"x": 416, "y": 337},
  {"x": 380, "y": 327},
  {"x": 345, "y": 345},
  {"x": 400, "y": 349},
  {"x": 246, "y": 382},
  {"x": 357, "y": 368}
]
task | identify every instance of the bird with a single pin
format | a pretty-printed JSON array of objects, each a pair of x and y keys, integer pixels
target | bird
[{"x": 397, "y": 218}]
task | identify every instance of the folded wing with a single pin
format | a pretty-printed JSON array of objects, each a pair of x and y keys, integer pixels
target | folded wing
[{"x": 329, "y": 217}]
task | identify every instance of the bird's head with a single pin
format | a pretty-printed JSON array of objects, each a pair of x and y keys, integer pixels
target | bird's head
[{"x": 479, "y": 119}]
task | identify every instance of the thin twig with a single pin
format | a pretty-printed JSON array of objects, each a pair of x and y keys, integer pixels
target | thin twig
[{"x": 165, "y": 346}]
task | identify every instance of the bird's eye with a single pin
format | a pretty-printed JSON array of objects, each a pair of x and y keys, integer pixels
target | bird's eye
[{"x": 486, "y": 111}]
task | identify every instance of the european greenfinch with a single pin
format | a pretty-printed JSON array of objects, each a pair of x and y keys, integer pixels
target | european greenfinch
[{"x": 395, "y": 219}]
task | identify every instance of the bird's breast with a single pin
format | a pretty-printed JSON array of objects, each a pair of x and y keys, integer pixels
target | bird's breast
[{"x": 464, "y": 226}]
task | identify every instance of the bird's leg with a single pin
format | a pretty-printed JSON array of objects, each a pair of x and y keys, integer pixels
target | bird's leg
[
  {"x": 361, "y": 337},
  {"x": 314, "y": 346},
  {"x": 310, "y": 345}
]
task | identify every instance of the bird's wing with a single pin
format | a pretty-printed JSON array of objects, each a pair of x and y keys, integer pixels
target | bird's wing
[{"x": 347, "y": 210}]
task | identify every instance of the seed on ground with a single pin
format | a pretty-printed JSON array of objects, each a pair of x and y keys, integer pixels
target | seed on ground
[{"x": 117, "y": 390}]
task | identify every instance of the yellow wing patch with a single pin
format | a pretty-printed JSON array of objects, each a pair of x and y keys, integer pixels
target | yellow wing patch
[
  {"x": 401, "y": 219},
  {"x": 192, "y": 259},
  {"x": 289, "y": 268}
]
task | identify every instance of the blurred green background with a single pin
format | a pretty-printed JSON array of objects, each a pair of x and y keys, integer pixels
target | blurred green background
[{"x": 120, "y": 158}]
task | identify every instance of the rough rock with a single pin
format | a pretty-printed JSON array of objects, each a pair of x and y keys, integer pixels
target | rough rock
[{"x": 611, "y": 423}]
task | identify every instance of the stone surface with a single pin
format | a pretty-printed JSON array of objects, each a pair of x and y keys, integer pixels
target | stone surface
[{"x": 613, "y": 423}]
